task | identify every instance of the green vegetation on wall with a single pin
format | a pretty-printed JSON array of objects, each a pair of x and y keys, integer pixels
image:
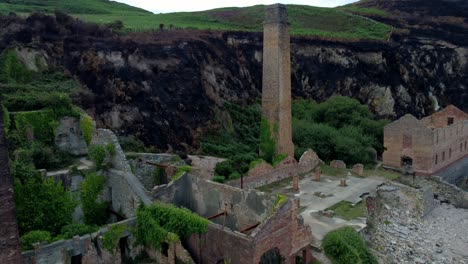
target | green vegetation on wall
[
  {"x": 160, "y": 223},
  {"x": 6, "y": 119},
  {"x": 33, "y": 237},
  {"x": 87, "y": 127},
  {"x": 41, "y": 123},
  {"x": 97, "y": 154},
  {"x": 41, "y": 204},
  {"x": 345, "y": 246},
  {"x": 268, "y": 140},
  {"x": 180, "y": 171},
  {"x": 110, "y": 240},
  {"x": 94, "y": 211},
  {"x": 12, "y": 70},
  {"x": 71, "y": 230}
]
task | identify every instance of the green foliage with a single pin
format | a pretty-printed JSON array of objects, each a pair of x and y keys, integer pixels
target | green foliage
[
  {"x": 95, "y": 213},
  {"x": 36, "y": 236},
  {"x": 43, "y": 156},
  {"x": 345, "y": 246},
  {"x": 267, "y": 140},
  {"x": 41, "y": 204},
  {"x": 165, "y": 223},
  {"x": 339, "y": 128},
  {"x": 110, "y": 239},
  {"x": 97, "y": 154},
  {"x": 110, "y": 148},
  {"x": 42, "y": 123},
  {"x": 235, "y": 166},
  {"x": 254, "y": 163},
  {"x": 180, "y": 171},
  {"x": 12, "y": 69},
  {"x": 219, "y": 179},
  {"x": 71, "y": 230},
  {"x": 6, "y": 119},
  {"x": 87, "y": 127},
  {"x": 280, "y": 199},
  {"x": 158, "y": 175}
]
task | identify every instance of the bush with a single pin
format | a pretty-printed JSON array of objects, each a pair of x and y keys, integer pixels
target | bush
[
  {"x": 69, "y": 231},
  {"x": 345, "y": 246},
  {"x": 33, "y": 237},
  {"x": 41, "y": 204},
  {"x": 42, "y": 123},
  {"x": 86, "y": 125},
  {"x": 97, "y": 154},
  {"x": 95, "y": 213}
]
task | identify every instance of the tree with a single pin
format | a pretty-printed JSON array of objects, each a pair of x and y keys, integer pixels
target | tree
[{"x": 10, "y": 251}]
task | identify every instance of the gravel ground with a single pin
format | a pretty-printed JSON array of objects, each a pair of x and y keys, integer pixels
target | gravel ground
[{"x": 441, "y": 237}]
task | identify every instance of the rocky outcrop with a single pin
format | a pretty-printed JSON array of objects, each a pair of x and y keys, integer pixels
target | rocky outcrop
[{"x": 168, "y": 88}]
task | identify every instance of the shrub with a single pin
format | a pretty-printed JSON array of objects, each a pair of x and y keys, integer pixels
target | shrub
[
  {"x": 32, "y": 237},
  {"x": 12, "y": 69},
  {"x": 69, "y": 231},
  {"x": 42, "y": 204},
  {"x": 97, "y": 154},
  {"x": 345, "y": 245},
  {"x": 86, "y": 125},
  {"x": 42, "y": 123},
  {"x": 95, "y": 213},
  {"x": 219, "y": 179}
]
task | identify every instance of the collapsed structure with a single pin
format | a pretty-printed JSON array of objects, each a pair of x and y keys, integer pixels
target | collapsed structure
[{"x": 429, "y": 145}]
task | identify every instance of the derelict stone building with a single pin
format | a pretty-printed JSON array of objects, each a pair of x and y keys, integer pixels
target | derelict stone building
[{"x": 429, "y": 145}]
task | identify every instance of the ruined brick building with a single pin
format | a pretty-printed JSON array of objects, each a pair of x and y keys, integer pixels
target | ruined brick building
[{"x": 428, "y": 145}]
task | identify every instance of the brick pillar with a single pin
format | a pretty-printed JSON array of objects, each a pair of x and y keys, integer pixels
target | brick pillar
[
  {"x": 276, "y": 89},
  {"x": 318, "y": 173},
  {"x": 343, "y": 183},
  {"x": 296, "y": 183}
]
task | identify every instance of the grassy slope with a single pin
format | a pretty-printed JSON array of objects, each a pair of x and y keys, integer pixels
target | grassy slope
[{"x": 305, "y": 20}]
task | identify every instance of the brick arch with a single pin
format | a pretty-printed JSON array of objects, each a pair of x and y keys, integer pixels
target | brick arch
[{"x": 272, "y": 256}]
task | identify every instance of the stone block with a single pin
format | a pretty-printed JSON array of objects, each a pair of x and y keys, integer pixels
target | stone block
[
  {"x": 287, "y": 162},
  {"x": 358, "y": 169},
  {"x": 338, "y": 164},
  {"x": 69, "y": 138},
  {"x": 309, "y": 157}
]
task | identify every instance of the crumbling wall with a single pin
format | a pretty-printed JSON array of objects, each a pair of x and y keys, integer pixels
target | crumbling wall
[
  {"x": 118, "y": 161},
  {"x": 244, "y": 208},
  {"x": 88, "y": 247},
  {"x": 68, "y": 137},
  {"x": 263, "y": 175}
]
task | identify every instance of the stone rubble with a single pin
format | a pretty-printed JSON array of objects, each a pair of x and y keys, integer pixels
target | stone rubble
[{"x": 439, "y": 238}]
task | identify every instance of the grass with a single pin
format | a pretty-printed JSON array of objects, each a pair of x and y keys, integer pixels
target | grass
[
  {"x": 304, "y": 20},
  {"x": 347, "y": 211},
  {"x": 329, "y": 171},
  {"x": 364, "y": 10}
]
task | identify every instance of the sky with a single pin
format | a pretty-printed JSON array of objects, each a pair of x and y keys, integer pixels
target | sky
[{"x": 166, "y": 6}]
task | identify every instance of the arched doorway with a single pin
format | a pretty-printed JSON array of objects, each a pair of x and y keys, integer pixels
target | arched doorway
[
  {"x": 272, "y": 256},
  {"x": 407, "y": 165}
]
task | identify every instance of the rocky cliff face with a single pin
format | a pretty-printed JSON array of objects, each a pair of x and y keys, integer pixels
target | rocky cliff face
[{"x": 167, "y": 88}]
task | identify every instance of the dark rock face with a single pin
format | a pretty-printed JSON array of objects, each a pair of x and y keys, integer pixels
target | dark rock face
[{"x": 167, "y": 88}]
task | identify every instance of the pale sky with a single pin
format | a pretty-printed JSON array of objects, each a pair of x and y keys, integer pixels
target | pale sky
[{"x": 166, "y": 6}]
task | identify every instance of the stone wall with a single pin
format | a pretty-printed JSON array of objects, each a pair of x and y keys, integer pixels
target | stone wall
[
  {"x": 263, "y": 175},
  {"x": 88, "y": 247},
  {"x": 68, "y": 137},
  {"x": 118, "y": 161},
  {"x": 456, "y": 171},
  {"x": 206, "y": 198},
  {"x": 443, "y": 190}
]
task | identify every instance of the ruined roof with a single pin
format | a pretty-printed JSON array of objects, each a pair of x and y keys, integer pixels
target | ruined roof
[{"x": 439, "y": 119}]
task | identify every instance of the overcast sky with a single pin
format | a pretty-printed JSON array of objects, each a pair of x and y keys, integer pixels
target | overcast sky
[{"x": 165, "y": 6}]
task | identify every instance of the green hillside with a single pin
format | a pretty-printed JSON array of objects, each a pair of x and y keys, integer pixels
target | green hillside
[{"x": 305, "y": 20}]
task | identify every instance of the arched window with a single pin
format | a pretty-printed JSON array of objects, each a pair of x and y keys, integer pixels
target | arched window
[{"x": 436, "y": 159}]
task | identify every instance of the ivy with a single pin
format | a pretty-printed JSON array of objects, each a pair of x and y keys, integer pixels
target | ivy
[
  {"x": 87, "y": 127},
  {"x": 95, "y": 213},
  {"x": 267, "y": 140},
  {"x": 110, "y": 239},
  {"x": 161, "y": 222},
  {"x": 6, "y": 119}
]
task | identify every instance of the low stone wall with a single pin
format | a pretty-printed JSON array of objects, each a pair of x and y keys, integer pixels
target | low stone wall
[
  {"x": 263, "y": 174},
  {"x": 88, "y": 248},
  {"x": 442, "y": 189}
]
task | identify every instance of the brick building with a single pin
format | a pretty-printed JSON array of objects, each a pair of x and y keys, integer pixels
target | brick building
[{"x": 428, "y": 145}]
